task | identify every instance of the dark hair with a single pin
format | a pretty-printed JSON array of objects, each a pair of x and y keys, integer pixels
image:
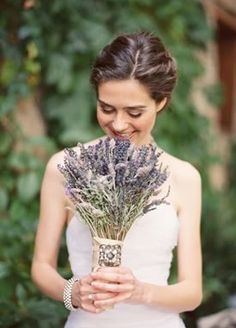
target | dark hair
[{"x": 141, "y": 56}]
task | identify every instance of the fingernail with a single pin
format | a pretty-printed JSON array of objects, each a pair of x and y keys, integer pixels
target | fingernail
[{"x": 94, "y": 283}]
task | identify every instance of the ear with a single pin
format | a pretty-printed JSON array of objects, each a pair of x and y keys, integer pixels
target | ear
[{"x": 161, "y": 104}]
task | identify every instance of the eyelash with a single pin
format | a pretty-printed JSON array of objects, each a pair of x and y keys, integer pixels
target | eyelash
[{"x": 109, "y": 111}]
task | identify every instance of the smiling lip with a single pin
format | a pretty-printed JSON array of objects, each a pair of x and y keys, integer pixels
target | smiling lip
[{"x": 122, "y": 136}]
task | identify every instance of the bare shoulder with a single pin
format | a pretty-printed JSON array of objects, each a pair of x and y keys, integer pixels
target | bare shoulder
[
  {"x": 185, "y": 183},
  {"x": 182, "y": 172},
  {"x": 56, "y": 159},
  {"x": 188, "y": 187},
  {"x": 52, "y": 165}
]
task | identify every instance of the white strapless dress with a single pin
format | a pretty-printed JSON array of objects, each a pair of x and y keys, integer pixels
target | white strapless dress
[{"x": 147, "y": 251}]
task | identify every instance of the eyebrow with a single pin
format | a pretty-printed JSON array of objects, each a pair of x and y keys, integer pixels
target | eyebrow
[{"x": 126, "y": 107}]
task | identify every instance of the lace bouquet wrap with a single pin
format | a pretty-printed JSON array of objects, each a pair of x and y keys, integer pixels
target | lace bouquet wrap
[{"x": 111, "y": 184}]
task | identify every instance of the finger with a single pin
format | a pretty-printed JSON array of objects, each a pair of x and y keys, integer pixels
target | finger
[
  {"x": 88, "y": 298},
  {"x": 102, "y": 296},
  {"x": 117, "y": 269},
  {"x": 90, "y": 307},
  {"x": 115, "y": 288},
  {"x": 91, "y": 297},
  {"x": 86, "y": 280},
  {"x": 85, "y": 289},
  {"x": 87, "y": 304},
  {"x": 112, "y": 277},
  {"x": 111, "y": 301}
]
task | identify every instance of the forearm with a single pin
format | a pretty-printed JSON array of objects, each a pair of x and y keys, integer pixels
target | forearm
[
  {"x": 179, "y": 297},
  {"x": 48, "y": 280}
]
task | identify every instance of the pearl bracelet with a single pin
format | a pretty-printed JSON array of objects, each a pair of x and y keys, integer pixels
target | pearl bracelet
[{"x": 67, "y": 294}]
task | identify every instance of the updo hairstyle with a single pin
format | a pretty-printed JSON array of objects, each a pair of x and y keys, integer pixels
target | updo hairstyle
[{"x": 141, "y": 56}]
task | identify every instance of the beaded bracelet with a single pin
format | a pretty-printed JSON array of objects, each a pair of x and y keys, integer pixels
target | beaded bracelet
[{"x": 67, "y": 294}]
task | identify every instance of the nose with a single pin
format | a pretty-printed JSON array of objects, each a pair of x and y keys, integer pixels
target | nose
[{"x": 119, "y": 124}]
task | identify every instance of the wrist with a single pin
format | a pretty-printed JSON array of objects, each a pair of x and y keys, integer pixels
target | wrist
[
  {"x": 144, "y": 292},
  {"x": 140, "y": 293},
  {"x": 67, "y": 294},
  {"x": 74, "y": 293}
]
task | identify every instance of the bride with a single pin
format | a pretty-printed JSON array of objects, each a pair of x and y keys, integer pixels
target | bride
[{"x": 134, "y": 77}]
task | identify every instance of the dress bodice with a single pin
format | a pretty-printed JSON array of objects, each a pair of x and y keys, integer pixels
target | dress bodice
[{"x": 147, "y": 251}]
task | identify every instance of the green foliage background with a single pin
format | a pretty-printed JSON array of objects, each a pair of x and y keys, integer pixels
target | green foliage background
[{"x": 47, "y": 51}]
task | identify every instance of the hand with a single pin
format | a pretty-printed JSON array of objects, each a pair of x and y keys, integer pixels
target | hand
[
  {"x": 118, "y": 280},
  {"x": 83, "y": 295}
]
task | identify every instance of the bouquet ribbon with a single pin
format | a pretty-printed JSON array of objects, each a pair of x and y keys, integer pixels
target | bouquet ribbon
[{"x": 106, "y": 252}]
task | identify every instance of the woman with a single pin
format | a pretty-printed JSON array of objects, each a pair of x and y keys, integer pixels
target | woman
[{"x": 134, "y": 77}]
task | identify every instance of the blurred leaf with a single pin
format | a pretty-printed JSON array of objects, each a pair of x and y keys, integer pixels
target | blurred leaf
[
  {"x": 6, "y": 105},
  {"x": 214, "y": 94},
  {"x": 21, "y": 293},
  {"x": 26, "y": 31},
  {"x": 8, "y": 72},
  {"x": 60, "y": 72},
  {"x": 32, "y": 66},
  {"x": 28, "y": 185},
  {"x": 45, "y": 142},
  {"x": 7, "y": 180},
  {"x": 3, "y": 198},
  {"x": 22, "y": 160},
  {"x": 4, "y": 270},
  {"x": 5, "y": 144},
  {"x": 18, "y": 160}
]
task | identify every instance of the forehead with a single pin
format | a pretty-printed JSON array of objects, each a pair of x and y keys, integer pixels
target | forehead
[{"x": 126, "y": 92}]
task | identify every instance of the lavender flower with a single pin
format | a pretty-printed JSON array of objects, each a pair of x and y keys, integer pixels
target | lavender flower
[{"x": 112, "y": 183}]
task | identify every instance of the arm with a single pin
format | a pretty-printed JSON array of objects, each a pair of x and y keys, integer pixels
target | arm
[
  {"x": 52, "y": 220},
  {"x": 186, "y": 294}
]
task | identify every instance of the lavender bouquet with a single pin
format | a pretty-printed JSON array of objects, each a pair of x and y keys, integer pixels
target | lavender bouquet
[{"x": 111, "y": 184}]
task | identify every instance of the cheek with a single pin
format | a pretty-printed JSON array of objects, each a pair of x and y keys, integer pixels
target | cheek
[
  {"x": 146, "y": 124},
  {"x": 102, "y": 120}
]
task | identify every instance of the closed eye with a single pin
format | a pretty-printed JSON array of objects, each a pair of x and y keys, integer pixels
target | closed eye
[
  {"x": 135, "y": 115},
  {"x": 106, "y": 109}
]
